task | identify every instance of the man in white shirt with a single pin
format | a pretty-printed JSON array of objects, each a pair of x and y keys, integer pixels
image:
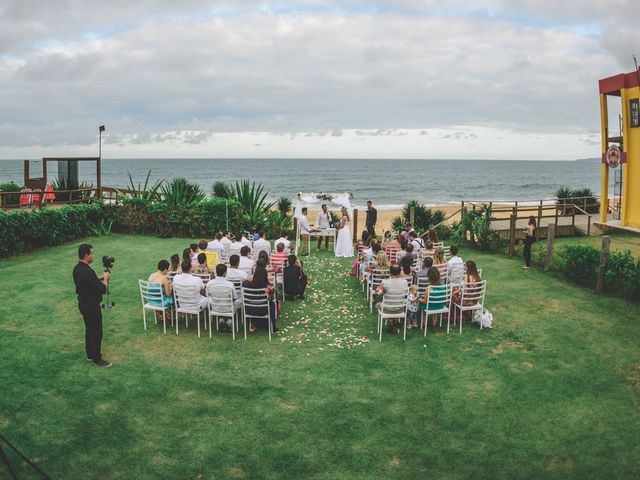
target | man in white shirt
[
  {"x": 221, "y": 283},
  {"x": 284, "y": 239},
  {"x": 185, "y": 279},
  {"x": 216, "y": 245},
  {"x": 455, "y": 267},
  {"x": 417, "y": 242},
  {"x": 261, "y": 245},
  {"x": 246, "y": 241},
  {"x": 324, "y": 221},
  {"x": 246, "y": 264},
  {"x": 236, "y": 246},
  {"x": 305, "y": 230},
  {"x": 394, "y": 285},
  {"x": 234, "y": 274}
]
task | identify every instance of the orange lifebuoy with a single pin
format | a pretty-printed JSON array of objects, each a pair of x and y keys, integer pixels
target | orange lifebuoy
[
  {"x": 49, "y": 196},
  {"x": 613, "y": 156}
]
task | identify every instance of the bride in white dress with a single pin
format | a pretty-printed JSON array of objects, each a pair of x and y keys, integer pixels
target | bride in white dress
[{"x": 344, "y": 244}]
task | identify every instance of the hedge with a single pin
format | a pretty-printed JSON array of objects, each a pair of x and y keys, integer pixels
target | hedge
[{"x": 26, "y": 229}]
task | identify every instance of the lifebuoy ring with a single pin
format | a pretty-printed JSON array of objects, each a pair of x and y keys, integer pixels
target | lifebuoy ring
[{"x": 613, "y": 156}]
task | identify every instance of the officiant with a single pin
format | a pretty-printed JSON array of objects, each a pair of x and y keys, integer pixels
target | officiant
[{"x": 324, "y": 221}]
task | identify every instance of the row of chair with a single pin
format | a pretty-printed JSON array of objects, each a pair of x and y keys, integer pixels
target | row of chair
[{"x": 219, "y": 304}]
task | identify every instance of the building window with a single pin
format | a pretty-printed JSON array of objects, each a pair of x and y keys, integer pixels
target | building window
[{"x": 634, "y": 108}]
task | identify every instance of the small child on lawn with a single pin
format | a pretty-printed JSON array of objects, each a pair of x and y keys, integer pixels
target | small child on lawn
[{"x": 412, "y": 307}]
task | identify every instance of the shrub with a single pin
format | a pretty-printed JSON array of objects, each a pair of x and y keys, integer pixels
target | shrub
[
  {"x": 10, "y": 187},
  {"x": 579, "y": 263},
  {"x": 424, "y": 218},
  {"x": 180, "y": 191},
  {"x": 622, "y": 274},
  {"x": 252, "y": 197},
  {"x": 284, "y": 205},
  {"x": 22, "y": 230},
  {"x": 221, "y": 189}
]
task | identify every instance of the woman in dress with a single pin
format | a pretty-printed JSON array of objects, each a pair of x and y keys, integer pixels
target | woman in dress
[
  {"x": 344, "y": 244},
  {"x": 529, "y": 238}
]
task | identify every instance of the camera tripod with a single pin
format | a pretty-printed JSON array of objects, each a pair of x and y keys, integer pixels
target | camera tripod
[
  {"x": 108, "y": 304},
  {"x": 5, "y": 461}
]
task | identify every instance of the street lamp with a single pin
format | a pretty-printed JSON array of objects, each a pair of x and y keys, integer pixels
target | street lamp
[{"x": 100, "y": 130}]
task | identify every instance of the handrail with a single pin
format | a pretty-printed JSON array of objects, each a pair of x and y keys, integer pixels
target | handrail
[{"x": 442, "y": 222}]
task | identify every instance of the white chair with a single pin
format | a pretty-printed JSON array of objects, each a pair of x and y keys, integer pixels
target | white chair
[
  {"x": 205, "y": 277},
  {"x": 187, "y": 301},
  {"x": 256, "y": 298},
  {"x": 377, "y": 276},
  {"x": 422, "y": 283},
  {"x": 222, "y": 304},
  {"x": 447, "y": 252},
  {"x": 394, "y": 306},
  {"x": 154, "y": 299},
  {"x": 438, "y": 303},
  {"x": 471, "y": 298},
  {"x": 170, "y": 275},
  {"x": 278, "y": 265}
]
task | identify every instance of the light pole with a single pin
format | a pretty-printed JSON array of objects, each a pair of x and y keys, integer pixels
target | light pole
[
  {"x": 99, "y": 162},
  {"x": 100, "y": 130}
]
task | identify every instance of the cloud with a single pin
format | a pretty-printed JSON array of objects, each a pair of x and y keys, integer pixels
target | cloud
[{"x": 161, "y": 72}]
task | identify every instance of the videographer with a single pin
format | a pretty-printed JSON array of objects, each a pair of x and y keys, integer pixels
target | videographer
[{"x": 90, "y": 289}]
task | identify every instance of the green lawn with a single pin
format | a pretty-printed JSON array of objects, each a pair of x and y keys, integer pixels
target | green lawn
[{"x": 551, "y": 392}]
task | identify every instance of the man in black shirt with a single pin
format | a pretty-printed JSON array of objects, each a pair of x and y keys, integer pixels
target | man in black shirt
[
  {"x": 90, "y": 289},
  {"x": 372, "y": 219}
]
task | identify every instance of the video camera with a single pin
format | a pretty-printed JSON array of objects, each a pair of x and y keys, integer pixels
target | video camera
[{"x": 107, "y": 263}]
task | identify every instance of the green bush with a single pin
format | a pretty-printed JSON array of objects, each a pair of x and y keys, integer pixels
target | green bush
[
  {"x": 23, "y": 230},
  {"x": 10, "y": 187},
  {"x": 622, "y": 274},
  {"x": 579, "y": 263}
]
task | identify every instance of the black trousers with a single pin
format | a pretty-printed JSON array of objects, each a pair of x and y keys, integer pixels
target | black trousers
[
  {"x": 371, "y": 230},
  {"x": 528, "y": 241},
  {"x": 297, "y": 288},
  {"x": 92, "y": 316}
]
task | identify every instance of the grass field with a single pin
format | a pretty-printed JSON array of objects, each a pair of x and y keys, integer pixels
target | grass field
[{"x": 551, "y": 392}]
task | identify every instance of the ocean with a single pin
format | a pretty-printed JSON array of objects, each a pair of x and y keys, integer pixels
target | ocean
[{"x": 388, "y": 183}]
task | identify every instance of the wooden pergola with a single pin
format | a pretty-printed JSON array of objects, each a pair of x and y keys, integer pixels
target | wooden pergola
[{"x": 40, "y": 182}]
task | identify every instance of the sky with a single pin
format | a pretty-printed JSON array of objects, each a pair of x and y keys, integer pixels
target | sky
[{"x": 311, "y": 79}]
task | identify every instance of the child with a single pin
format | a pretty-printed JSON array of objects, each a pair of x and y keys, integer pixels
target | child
[{"x": 412, "y": 307}]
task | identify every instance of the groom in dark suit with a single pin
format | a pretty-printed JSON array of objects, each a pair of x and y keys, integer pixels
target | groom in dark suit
[{"x": 372, "y": 219}]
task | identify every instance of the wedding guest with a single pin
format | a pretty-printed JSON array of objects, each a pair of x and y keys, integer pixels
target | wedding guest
[
  {"x": 260, "y": 280},
  {"x": 381, "y": 260},
  {"x": 455, "y": 267},
  {"x": 246, "y": 264},
  {"x": 529, "y": 238},
  {"x": 175, "y": 263},
  {"x": 236, "y": 245},
  {"x": 432, "y": 239},
  {"x": 471, "y": 276},
  {"x": 234, "y": 274},
  {"x": 221, "y": 282},
  {"x": 324, "y": 221},
  {"x": 284, "y": 239},
  {"x": 417, "y": 242},
  {"x": 295, "y": 280},
  {"x": 202, "y": 246},
  {"x": 412, "y": 307},
  {"x": 245, "y": 241},
  {"x": 216, "y": 244},
  {"x": 160, "y": 277},
  {"x": 278, "y": 258},
  {"x": 261, "y": 245},
  {"x": 201, "y": 268},
  {"x": 434, "y": 288},
  {"x": 187, "y": 254},
  {"x": 393, "y": 285},
  {"x": 305, "y": 230},
  {"x": 386, "y": 239},
  {"x": 427, "y": 263},
  {"x": 186, "y": 279},
  {"x": 264, "y": 257},
  {"x": 405, "y": 264},
  {"x": 438, "y": 256}
]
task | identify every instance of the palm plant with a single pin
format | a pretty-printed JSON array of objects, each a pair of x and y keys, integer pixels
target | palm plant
[
  {"x": 275, "y": 223},
  {"x": 253, "y": 199},
  {"x": 585, "y": 198},
  {"x": 221, "y": 189},
  {"x": 181, "y": 191},
  {"x": 141, "y": 191},
  {"x": 284, "y": 205},
  {"x": 563, "y": 195}
]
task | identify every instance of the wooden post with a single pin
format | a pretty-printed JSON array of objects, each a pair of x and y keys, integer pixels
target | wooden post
[
  {"x": 412, "y": 216},
  {"x": 551, "y": 233},
  {"x": 604, "y": 256},
  {"x": 556, "y": 220},
  {"x": 512, "y": 235},
  {"x": 589, "y": 226},
  {"x": 539, "y": 221},
  {"x": 355, "y": 224},
  {"x": 462, "y": 210},
  {"x": 573, "y": 223}
]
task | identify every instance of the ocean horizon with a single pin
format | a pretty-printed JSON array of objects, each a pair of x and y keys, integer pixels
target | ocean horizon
[{"x": 389, "y": 183}]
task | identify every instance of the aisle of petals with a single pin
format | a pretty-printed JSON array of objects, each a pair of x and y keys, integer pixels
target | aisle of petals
[{"x": 333, "y": 314}]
